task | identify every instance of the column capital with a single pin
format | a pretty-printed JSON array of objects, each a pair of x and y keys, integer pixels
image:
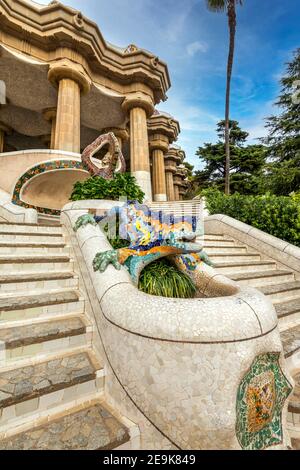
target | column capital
[
  {"x": 65, "y": 68},
  {"x": 177, "y": 179},
  {"x": 170, "y": 166},
  {"x": 159, "y": 142},
  {"x": 138, "y": 100},
  {"x": 118, "y": 131},
  {"x": 163, "y": 123},
  {"x": 173, "y": 154}
]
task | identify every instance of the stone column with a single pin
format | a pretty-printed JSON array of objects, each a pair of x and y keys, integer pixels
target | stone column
[
  {"x": 3, "y": 130},
  {"x": 140, "y": 107},
  {"x": 159, "y": 145},
  {"x": 170, "y": 185},
  {"x": 176, "y": 192},
  {"x": 50, "y": 115},
  {"x": 1, "y": 140},
  {"x": 71, "y": 81},
  {"x": 171, "y": 160}
]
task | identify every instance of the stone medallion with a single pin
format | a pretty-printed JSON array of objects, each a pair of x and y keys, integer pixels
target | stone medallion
[{"x": 260, "y": 400}]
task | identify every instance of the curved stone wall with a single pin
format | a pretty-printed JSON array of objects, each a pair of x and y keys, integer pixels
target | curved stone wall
[{"x": 40, "y": 179}]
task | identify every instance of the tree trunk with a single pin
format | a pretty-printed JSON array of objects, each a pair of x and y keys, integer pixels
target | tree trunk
[{"x": 231, "y": 13}]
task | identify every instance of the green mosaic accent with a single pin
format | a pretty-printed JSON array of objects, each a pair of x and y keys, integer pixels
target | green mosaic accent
[
  {"x": 260, "y": 400},
  {"x": 83, "y": 221},
  {"x": 37, "y": 170}
]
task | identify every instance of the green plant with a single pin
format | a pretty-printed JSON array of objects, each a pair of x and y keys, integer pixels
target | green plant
[
  {"x": 96, "y": 187},
  {"x": 276, "y": 215},
  {"x": 164, "y": 279},
  {"x": 161, "y": 277}
]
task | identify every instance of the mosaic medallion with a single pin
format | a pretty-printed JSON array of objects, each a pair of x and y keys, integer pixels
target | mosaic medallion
[{"x": 260, "y": 399}]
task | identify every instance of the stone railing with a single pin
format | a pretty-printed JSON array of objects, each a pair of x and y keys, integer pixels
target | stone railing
[
  {"x": 182, "y": 368},
  {"x": 9, "y": 212},
  {"x": 286, "y": 254}
]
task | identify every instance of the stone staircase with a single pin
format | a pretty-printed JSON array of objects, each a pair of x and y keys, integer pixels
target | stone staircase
[
  {"x": 51, "y": 382},
  {"x": 248, "y": 267}
]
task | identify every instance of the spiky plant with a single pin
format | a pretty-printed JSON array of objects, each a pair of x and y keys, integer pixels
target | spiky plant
[{"x": 164, "y": 279}]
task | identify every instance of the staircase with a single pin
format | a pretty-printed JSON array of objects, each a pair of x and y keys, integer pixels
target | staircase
[
  {"x": 248, "y": 267},
  {"x": 51, "y": 382}
]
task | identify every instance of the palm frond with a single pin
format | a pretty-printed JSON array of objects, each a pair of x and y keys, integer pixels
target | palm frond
[{"x": 216, "y": 5}]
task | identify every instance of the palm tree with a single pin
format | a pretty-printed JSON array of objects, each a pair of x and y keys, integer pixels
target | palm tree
[{"x": 228, "y": 6}]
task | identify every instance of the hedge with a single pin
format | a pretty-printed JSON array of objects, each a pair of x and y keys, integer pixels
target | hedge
[{"x": 276, "y": 215}]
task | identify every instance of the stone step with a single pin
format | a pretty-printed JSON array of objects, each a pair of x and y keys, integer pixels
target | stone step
[
  {"x": 24, "y": 339},
  {"x": 45, "y": 219},
  {"x": 89, "y": 428},
  {"x": 10, "y": 264},
  {"x": 282, "y": 292},
  {"x": 33, "y": 281},
  {"x": 214, "y": 242},
  {"x": 32, "y": 248},
  {"x": 30, "y": 228},
  {"x": 290, "y": 308},
  {"x": 40, "y": 304},
  {"x": 216, "y": 237},
  {"x": 34, "y": 237},
  {"x": 242, "y": 267},
  {"x": 234, "y": 257},
  {"x": 262, "y": 278},
  {"x": 37, "y": 386},
  {"x": 20, "y": 384},
  {"x": 226, "y": 249},
  {"x": 291, "y": 340}
]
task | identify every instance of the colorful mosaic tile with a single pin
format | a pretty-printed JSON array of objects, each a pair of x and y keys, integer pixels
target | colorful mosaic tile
[
  {"x": 39, "y": 169},
  {"x": 260, "y": 400},
  {"x": 152, "y": 235}
]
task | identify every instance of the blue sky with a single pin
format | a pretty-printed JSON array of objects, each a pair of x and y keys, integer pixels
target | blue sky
[{"x": 194, "y": 43}]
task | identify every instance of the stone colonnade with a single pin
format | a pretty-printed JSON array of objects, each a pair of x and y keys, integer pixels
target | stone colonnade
[{"x": 149, "y": 143}]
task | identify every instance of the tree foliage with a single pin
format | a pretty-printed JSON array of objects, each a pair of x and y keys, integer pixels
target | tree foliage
[
  {"x": 246, "y": 161},
  {"x": 283, "y": 140}
]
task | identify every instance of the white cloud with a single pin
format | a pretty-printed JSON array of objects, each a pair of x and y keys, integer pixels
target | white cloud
[{"x": 195, "y": 47}]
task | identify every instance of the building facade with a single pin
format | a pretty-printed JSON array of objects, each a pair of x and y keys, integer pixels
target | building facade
[{"x": 61, "y": 86}]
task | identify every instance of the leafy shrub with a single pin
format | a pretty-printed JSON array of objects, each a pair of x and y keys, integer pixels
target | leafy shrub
[
  {"x": 276, "y": 215},
  {"x": 164, "y": 279},
  {"x": 96, "y": 187}
]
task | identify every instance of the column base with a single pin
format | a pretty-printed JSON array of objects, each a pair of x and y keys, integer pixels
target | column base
[
  {"x": 160, "y": 198},
  {"x": 143, "y": 179}
]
